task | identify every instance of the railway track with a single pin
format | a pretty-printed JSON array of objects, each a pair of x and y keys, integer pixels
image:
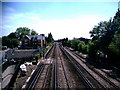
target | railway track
[
  {"x": 91, "y": 82},
  {"x": 32, "y": 82},
  {"x": 43, "y": 81},
  {"x": 60, "y": 70},
  {"x": 54, "y": 82},
  {"x": 41, "y": 77},
  {"x": 54, "y": 78},
  {"x": 114, "y": 82},
  {"x": 102, "y": 77},
  {"x": 65, "y": 70},
  {"x": 49, "y": 52}
]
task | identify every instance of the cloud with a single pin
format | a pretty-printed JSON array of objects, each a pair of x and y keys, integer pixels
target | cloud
[
  {"x": 34, "y": 18},
  {"x": 6, "y": 29},
  {"x": 19, "y": 15},
  {"x": 12, "y": 18},
  {"x": 7, "y": 26},
  {"x": 60, "y": 28}
]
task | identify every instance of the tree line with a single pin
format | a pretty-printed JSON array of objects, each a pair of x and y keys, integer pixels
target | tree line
[
  {"x": 77, "y": 44},
  {"x": 13, "y": 39},
  {"x": 105, "y": 39}
]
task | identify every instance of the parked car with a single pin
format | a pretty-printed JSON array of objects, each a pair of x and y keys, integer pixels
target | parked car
[{"x": 23, "y": 69}]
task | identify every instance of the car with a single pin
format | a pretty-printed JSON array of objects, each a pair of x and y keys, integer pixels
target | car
[{"x": 23, "y": 68}]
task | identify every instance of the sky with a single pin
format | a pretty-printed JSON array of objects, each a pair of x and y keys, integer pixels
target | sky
[{"x": 62, "y": 19}]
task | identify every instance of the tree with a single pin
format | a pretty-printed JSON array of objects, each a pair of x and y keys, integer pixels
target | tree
[
  {"x": 11, "y": 43},
  {"x": 80, "y": 44},
  {"x": 49, "y": 39},
  {"x": 105, "y": 36},
  {"x": 115, "y": 44},
  {"x": 77, "y": 45},
  {"x": 64, "y": 41},
  {"x": 14, "y": 42},
  {"x": 69, "y": 43},
  {"x": 74, "y": 44},
  {"x": 21, "y": 31},
  {"x": 85, "y": 48},
  {"x": 33, "y": 32},
  {"x": 6, "y": 41},
  {"x": 92, "y": 49},
  {"x": 12, "y": 35}
]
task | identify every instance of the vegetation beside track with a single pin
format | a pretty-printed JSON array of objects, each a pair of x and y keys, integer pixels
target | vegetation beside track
[{"x": 104, "y": 43}]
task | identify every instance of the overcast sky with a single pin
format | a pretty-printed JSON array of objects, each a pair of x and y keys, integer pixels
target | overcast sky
[{"x": 62, "y": 19}]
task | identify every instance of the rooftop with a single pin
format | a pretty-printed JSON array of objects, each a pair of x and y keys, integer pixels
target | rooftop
[{"x": 39, "y": 37}]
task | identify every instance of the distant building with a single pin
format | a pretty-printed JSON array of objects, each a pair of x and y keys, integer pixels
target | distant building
[
  {"x": 32, "y": 41},
  {"x": 84, "y": 40}
]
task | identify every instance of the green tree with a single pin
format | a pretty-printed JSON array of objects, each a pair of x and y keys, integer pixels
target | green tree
[
  {"x": 49, "y": 39},
  {"x": 69, "y": 43},
  {"x": 6, "y": 41},
  {"x": 85, "y": 49},
  {"x": 14, "y": 42},
  {"x": 115, "y": 44},
  {"x": 64, "y": 41},
  {"x": 21, "y": 31},
  {"x": 74, "y": 44},
  {"x": 92, "y": 49},
  {"x": 12, "y": 35},
  {"x": 10, "y": 41},
  {"x": 104, "y": 35},
  {"x": 33, "y": 32},
  {"x": 80, "y": 46},
  {"x": 99, "y": 35}
]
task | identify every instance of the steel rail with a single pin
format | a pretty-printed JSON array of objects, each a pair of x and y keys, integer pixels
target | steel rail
[
  {"x": 54, "y": 82},
  {"x": 40, "y": 68},
  {"x": 77, "y": 66},
  {"x": 48, "y": 52},
  {"x": 52, "y": 75},
  {"x": 112, "y": 67},
  {"x": 44, "y": 86},
  {"x": 115, "y": 86},
  {"x": 32, "y": 82},
  {"x": 61, "y": 59},
  {"x": 55, "y": 71}
]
